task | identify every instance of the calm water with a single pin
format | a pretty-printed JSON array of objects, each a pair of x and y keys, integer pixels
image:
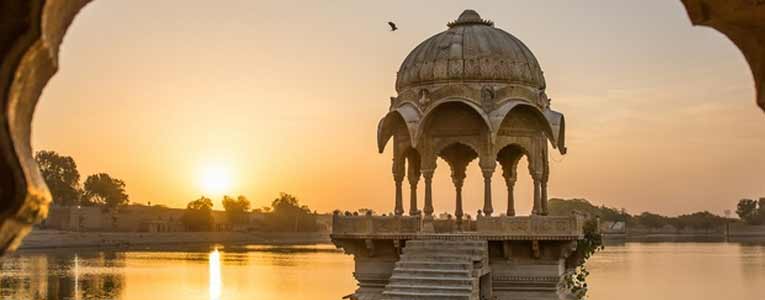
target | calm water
[{"x": 628, "y": 271}]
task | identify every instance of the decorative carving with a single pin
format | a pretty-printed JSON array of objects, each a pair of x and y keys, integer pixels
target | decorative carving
[
  {"x": 424, "y": 97},
  {"x": 487, "y": 98}
]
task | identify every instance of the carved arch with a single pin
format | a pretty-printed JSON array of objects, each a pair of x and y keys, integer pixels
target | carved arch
[
  {"x": 405, "y": 115},
  {"x": 498, "y": 116},
  {"x": 428, "y": 114},
  {"x": 558, "y": 124}
]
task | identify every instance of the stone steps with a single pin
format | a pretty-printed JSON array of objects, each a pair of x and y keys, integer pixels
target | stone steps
[
  {"x": 456, "y": 250},
  {"x": 442, "y": 257},
  {"x": 436, "y": 269},
  {"x": 440, "y": 265},
  {"x": 427, "y": 296},
  {"x": 466, "y": 280},
  {"x": 434, "y": 272}
]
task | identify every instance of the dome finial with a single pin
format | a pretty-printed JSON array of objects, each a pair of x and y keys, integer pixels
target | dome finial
[{"x": 470, "y": 17}]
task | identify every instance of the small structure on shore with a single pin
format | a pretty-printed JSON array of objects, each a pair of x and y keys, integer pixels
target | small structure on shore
[{"x": 471, "y": 92}]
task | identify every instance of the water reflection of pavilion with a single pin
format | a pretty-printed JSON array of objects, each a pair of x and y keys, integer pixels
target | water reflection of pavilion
[{"x": 62, "y": 276}]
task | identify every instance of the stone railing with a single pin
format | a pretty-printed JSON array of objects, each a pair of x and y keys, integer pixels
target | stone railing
[
  {"x": 493, "y": 228},
  {"x": 531, "y": 225},
  {"x": 370, "y": 225}
]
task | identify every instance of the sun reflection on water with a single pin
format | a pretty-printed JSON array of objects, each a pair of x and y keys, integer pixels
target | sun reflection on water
[{"x": 216, "y": 283}]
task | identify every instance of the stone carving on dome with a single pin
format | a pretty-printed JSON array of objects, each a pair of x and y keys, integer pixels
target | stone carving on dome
[
  {"x": 487, "y": 98},
  {"x": 424, "y": 97}
]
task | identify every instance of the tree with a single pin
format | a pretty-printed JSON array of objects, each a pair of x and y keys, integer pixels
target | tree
[
  {"x": 699, "y": 220},
  {"x": 561, "y": 207},
  {"x": 236, "y": 209},
  {"x": 652, "y": 220},
  {"x": 102, "y": 189},
  {"x": 198, "y": 215},
  {"x": 748, "y": 212},
  {"x": 61, "y": 176},
  {"x": 289, "y": 216}
]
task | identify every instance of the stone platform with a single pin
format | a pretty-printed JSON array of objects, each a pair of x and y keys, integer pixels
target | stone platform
[{"x": 487, "y": 258}]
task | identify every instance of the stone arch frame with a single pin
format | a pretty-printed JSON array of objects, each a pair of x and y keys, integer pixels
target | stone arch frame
[
  {"x": 458, "y": 156},
  {"x": 508, "y": 158},
  {"x": 429, "y": 148},
  {"x": 427, "y": 115},
  {"x": 506, "y": 108},
  {"x": 536, "y": 153},
  {"x": 407, "y": 115},
  {"x": 33, "y": 31}
]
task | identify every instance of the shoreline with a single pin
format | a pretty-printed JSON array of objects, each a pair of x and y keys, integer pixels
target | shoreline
[{"x": 59, "y": 240}]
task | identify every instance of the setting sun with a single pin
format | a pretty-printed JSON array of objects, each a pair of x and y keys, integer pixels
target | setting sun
[{"x": 214, "y": 179}]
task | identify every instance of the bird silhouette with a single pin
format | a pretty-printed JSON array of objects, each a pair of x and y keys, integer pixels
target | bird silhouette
[{"x": 392, "y": 26}]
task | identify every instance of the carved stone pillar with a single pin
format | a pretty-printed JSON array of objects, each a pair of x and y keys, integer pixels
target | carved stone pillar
[
  {"x": 545, "y": 176},
  {"x": 428, "y": 206},
  {"x": 510, "y": 182},
  {"x": 537, "y": 209},
  {"x": 398, "y": 178},
  {"x": 458, "y": 156},
  {"x": 458, "y": 178},
  {"x": 487, "y": 205},
  {"x": 413, "y": 175},
  {"x": 399, "y": 210},
  {"x": 508, "y": 159},
  {"x": 543, "y": 195}
]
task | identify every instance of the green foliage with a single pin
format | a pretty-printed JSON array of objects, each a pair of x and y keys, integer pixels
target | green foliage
[
  {"x": 61, "y": 175},
  {"x": 562, "y": 207},
  {"x": 751, "y": 212},
  {"x": 652, "y": 220},
  {"x": 198, "y": 215},
  {"x": 236, "y": 209},
  {"x": 102, "y": 189},
  {"x": 592, "y": 242},
  {"x": 698, "y": 220},
  {"x": 287, "y": 215}
]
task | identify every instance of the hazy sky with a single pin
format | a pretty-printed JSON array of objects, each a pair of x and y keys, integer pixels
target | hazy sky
[{"x": 286, "y": 95}]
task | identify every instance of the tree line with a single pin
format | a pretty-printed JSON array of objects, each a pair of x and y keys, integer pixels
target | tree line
[
  {"x": 285, "y": 214},
  {"x": 751, "y": 212},
  {"x": 697, "y": 220},
  {"x": 63, "y": 179}
]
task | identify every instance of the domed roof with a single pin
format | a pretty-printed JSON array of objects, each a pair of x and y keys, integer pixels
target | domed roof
[{"x": 472, "y": 50}]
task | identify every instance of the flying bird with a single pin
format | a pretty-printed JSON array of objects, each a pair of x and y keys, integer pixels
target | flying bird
[{"x": 392, "y": 26}]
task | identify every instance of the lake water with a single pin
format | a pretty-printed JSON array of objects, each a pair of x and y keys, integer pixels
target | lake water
[{"x": 627, "y": 271}]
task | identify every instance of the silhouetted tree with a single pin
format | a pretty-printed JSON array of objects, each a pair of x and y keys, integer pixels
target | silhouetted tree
[
  {"x": 699, "y": 220},
  {"x": 61, "y": 176},
  {"x": 652, "y": 220},
  {"x": 748, "y": 212},
  {"x": 236, "y": 209},
  {"x": 561, "y": 207},
  {"x": 102, "y": 189},
  {"x": 289, "y": 216},
  {"x": 198, "y": 215}
]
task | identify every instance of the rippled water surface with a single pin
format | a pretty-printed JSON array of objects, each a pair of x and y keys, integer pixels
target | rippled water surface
[{"x": 628, "y": 271}]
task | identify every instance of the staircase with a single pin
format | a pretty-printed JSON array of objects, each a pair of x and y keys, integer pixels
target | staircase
[{"x": 437, "y": 269}]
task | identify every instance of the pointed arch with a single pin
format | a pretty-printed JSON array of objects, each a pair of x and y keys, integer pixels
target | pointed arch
[
  {"x": 558, "y": 124},
  {"x": 500, "y": 114},
  {"x": 436, "y": 104},
  {"x": 405, "y": 115}
]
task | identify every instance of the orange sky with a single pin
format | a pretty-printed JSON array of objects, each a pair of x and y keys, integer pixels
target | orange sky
[{"x": 286, "y": 96}]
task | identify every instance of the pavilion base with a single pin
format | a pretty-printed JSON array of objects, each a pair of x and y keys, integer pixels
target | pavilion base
[{"x": 471, "y": 265}]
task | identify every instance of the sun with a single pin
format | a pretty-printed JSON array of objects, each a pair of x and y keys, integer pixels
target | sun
[{"x": 215, "y": 179}]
